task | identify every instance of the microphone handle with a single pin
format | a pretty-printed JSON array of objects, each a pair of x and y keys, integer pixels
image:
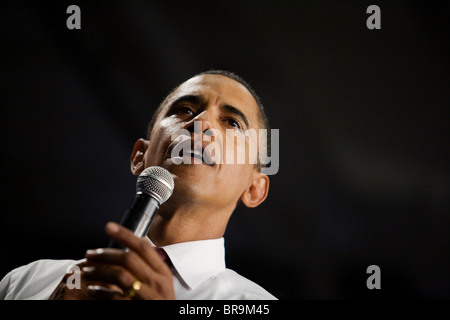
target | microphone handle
[{"x": 139, "y": 216}]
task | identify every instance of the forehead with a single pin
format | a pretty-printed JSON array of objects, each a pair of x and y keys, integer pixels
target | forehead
[{"x": 219, "y": 89}]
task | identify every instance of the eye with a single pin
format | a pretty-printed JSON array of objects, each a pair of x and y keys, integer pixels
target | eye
[
  {"x": 184, "y": 109},
  {"x": 233, "y": 123}
]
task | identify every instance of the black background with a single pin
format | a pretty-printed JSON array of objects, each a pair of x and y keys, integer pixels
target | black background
[{"x": 363, "y": 118}]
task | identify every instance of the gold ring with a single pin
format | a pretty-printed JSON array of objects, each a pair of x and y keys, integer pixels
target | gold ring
[{"x": 135, "y": 287}]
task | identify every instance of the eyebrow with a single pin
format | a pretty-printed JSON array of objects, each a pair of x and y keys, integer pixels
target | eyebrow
[
  {"x": 188, "y": 98},
  {"x": 198, "y": 100},
  {"x": 236, "y": 112}
]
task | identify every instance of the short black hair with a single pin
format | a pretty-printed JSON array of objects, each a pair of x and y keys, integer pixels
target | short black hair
[{"x": 264, "y": 121}]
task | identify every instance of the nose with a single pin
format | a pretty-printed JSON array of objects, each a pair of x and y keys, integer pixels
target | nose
[{"x": 202, "y": 123}]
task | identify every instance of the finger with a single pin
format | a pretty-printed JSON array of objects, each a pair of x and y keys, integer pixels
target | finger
[
  {"x": 104, "y": 293},
  {"x": 81, "y": 264},
  {"x": 105, "y": 258},
  {"x": 72, "y": 292},
  {"x": 114, "y": 275},
  {"x": 140, "y": 245},
  {"x": 124, "y": 281},
  {"x": 148, "y": 292}
]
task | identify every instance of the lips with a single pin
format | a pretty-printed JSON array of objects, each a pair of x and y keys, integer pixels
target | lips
[{"x": 184, "y": 146}]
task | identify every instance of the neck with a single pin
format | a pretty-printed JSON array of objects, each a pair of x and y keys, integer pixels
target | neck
[{"x": 180, "y": 223}]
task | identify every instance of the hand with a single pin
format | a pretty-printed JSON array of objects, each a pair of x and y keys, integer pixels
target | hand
[
  {"x": 109, "y": 273},
  {"x": 63, "y": 292}
]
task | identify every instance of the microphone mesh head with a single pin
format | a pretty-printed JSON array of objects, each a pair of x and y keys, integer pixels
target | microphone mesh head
[{"x": 157, "y": 182}]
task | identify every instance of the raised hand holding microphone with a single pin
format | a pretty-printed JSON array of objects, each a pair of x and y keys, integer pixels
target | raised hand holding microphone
[
  {"x": 135, "y": 273},
  {"x": 138, "y": 272}
]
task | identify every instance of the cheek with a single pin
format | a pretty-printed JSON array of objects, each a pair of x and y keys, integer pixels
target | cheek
[
  {"x": 159, "y": 141},
  {"x": 240, "y": 150},
  {"x": 234, "y": 180}
]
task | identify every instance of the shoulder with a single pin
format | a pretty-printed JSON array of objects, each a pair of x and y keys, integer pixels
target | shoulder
[
  {"x": 241, "y": 288},
  {"x": 35, "y": 280}
]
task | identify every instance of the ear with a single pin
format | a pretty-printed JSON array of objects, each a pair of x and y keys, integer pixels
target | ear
[
  {"x": 137, "y": 159},
  {"x": 257, "y": 192}
]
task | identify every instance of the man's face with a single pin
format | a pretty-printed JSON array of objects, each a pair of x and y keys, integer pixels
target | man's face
[{"x": 228, "y": 110}]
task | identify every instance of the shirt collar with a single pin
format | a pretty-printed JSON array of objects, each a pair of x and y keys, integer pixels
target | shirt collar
[{"x": 196, "y": 261}]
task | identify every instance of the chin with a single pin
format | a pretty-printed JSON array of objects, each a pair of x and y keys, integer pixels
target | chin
[{"x": 189, "y": 189}]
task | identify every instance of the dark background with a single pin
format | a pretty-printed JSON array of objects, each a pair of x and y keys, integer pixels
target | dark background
[{"x": 363, "y": 118}]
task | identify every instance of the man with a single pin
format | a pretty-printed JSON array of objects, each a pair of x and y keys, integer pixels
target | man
[{"x": 188, "y": 229}]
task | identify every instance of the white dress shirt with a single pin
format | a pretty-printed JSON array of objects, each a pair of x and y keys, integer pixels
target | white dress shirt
[{"x": 199, "y": 273}]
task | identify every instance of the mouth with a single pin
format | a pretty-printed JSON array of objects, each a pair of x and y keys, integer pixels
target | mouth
[
  {"x": 200, "y": 155},
  {"x": 184, "y": 152}
]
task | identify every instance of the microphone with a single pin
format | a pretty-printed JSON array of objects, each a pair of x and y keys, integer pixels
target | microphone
[{"x": 153, "y": 187}]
